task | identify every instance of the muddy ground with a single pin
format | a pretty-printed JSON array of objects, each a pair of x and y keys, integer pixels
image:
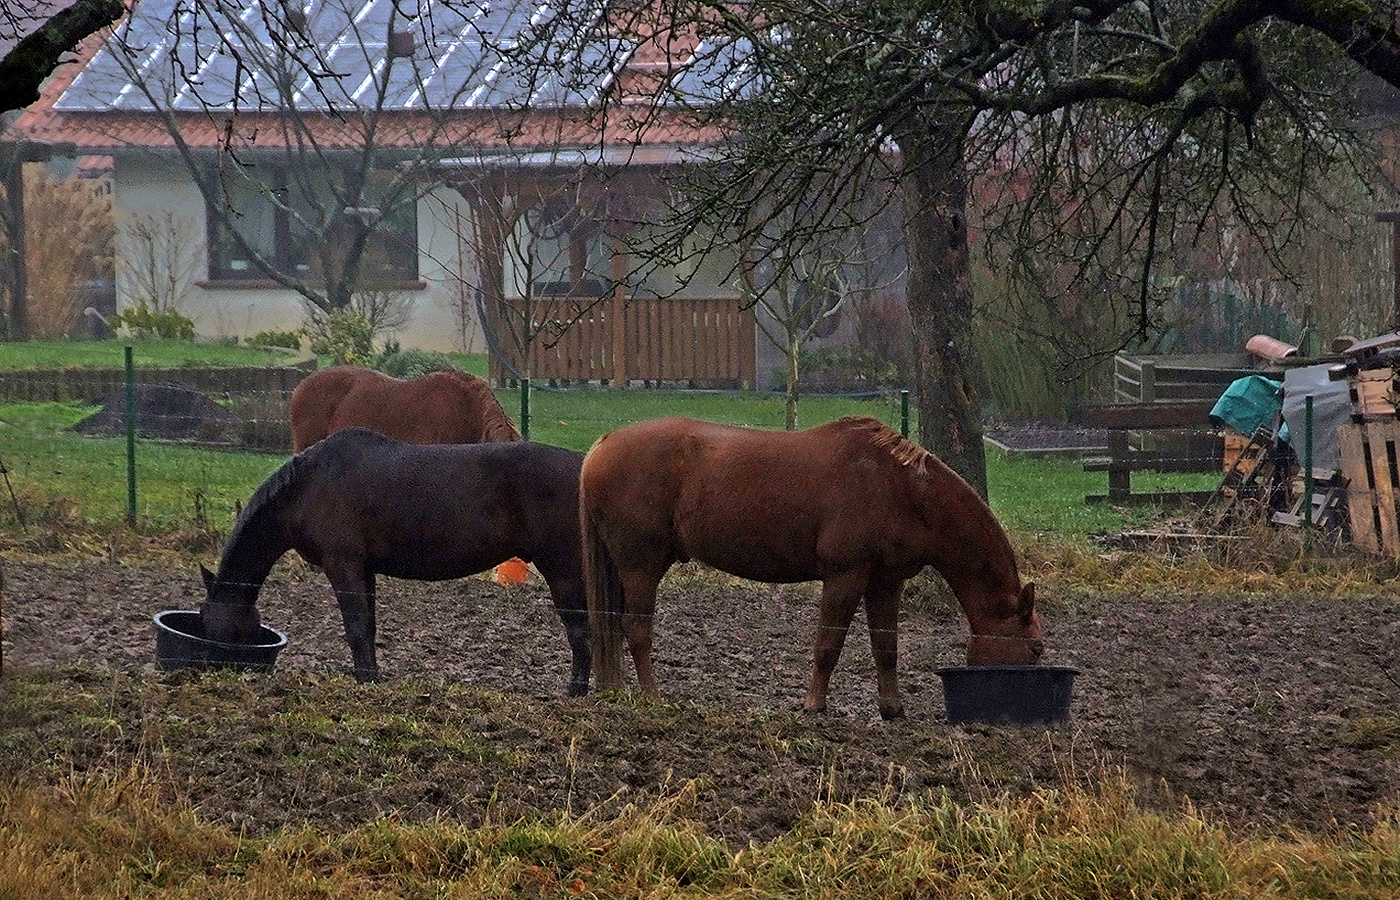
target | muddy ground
[{"x": 1265, "y": 714}]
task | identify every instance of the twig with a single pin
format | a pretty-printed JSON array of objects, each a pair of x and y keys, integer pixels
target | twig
[{"x": 19, "y": 515}]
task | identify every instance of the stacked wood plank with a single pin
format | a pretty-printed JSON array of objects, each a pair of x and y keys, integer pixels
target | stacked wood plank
[{"x": 1370, "y": 444}]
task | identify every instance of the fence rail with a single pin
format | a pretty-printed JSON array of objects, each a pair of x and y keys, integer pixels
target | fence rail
[
  {"x": 706, "y": 342},
  {"x": 59, "y": 385}
]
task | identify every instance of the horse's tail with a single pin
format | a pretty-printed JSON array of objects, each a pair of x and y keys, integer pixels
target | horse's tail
[{"x": 605, "y": 600}]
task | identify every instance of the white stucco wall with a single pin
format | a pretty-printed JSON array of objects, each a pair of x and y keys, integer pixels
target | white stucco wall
[{"x": 444, "y": 314}]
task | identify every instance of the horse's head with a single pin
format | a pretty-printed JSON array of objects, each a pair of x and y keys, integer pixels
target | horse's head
[
  {"x": 229, "y": 612},
  {"x": 1007, "y": 640}
]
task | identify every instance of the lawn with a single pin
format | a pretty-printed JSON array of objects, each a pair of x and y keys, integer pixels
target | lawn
[{"x": 53, "y": 472}]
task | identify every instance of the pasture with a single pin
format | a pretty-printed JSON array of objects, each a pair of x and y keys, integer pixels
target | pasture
[
  {"x": 1234, "y": 729},
  {"x": 1271, "y": 721}
]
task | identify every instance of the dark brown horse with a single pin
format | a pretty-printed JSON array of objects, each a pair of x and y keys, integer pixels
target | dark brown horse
[
  {"x": 448, "y": 406},
  {"x": 444, "y": 407},
  {"x": 359, "y": 504},
  {"x": 851, "y": 504}
]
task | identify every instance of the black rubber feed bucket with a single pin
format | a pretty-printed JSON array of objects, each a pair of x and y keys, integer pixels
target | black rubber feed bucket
[
  {"x": 1008, "y": 695},
  {"x": 180, "y": 644}
]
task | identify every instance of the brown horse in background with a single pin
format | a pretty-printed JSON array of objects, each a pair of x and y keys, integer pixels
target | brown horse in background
[
  {"x": 851, "y": 504},
  {"x": 444, "y": 407}
]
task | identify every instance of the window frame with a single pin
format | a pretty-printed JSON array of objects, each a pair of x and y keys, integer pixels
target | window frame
[{"x": 401, "y": 244}]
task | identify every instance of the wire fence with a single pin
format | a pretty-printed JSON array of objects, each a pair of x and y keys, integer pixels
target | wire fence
[
  {"x": 158, "y": 443},
  {"x": 162, "y": 446}
]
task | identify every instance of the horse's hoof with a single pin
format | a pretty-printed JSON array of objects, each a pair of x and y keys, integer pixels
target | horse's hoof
[
  {"x": 577, "y": 689},
  {"x": 367, "y": 676},
  {"x": 891, "y": 711}
]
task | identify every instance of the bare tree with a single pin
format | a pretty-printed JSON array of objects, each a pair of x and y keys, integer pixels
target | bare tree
[
  {"x": 159, "y": 257},
  {"x": 35, "y": 43},
  {"x": 802, "y": 298},
  {"x": 1141, "y": 123}
]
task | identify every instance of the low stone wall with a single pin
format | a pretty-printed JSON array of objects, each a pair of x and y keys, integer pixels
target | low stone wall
[{"x": 92, "y": 384}]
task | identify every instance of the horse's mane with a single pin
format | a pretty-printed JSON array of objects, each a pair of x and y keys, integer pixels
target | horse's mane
[
  {"x": 905, "y": 452},
  {"x": 496, "y": 425},
  {"x": 268, "y": 493}
]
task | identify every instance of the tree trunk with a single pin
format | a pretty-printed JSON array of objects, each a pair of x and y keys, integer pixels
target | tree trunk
[
  {"x": 17, "y": 316},
  {"x": 794, "y": 389},
  {"x": 940, "y": 296}
]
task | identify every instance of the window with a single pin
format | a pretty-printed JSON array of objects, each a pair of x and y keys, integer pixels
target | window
[
  {"x": 281, "y": 221},
  {"x": 557, "y": 251}
]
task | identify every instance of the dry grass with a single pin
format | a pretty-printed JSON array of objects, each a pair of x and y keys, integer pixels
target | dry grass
[
  {"x": 1253, "y": 561},
  {"x": 124, "y": 835},
  {"x": 69, "y": 228}
]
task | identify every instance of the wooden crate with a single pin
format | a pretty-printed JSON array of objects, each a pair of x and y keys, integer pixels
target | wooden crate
[
  {"x": 1373, "y": 393},
  {"x": 1370, "y": 456}
]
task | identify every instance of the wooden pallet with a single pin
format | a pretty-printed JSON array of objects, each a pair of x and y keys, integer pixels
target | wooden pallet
[
  {"x": 1373, "y": 394},
  {"x": 1370, "y": 457},
  {"x": 1328, "y": 502},
  {"x": 1243, "y": 481}
]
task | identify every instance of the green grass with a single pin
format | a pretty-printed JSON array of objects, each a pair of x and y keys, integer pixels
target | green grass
[
  {"x": 55, "y": 471},
  {"x": 1046, "y": 494},
  {"x": 58, "y": 475},
  {"x": 111, "y": 354},
  {"x": 61, "y": 478},
  {"x": 575, "y": 417}
]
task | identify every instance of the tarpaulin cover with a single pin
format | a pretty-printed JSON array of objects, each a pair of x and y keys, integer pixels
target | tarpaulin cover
[
  {"x": 1248, "y": 404},
  {"x": 1332, "y": 408}
]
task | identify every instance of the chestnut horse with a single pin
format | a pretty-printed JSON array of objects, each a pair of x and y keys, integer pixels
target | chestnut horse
[
  {"x": 444, "y": 407},
  {"x": 359, "y": 504},
  {"x": 851, "y": 504}
]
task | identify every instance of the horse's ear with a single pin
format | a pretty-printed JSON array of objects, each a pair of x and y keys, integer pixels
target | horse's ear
[
  {"x": 1026, "y": 606},
  {"x": 209, "y": 577}
]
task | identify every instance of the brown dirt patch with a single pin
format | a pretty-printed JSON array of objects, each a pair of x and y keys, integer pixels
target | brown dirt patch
[{"x": 1265, "y": 713}]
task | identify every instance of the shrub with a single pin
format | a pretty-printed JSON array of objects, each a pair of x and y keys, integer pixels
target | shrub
[
  {"x": 344, "y": 334},
  {"x": 288, "y": 339},
  {"x": 146, "y": 323},
  {"x": 410, "y": 363}
]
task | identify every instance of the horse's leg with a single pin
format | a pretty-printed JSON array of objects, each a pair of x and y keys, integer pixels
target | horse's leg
[
  {"x": 568, "y": 594},
  {"x": 882, "y": 614},
  {"x": 639, "y": 589},
  {"x": 840, "y": 594},
  {"x": 354, "y": 591}
]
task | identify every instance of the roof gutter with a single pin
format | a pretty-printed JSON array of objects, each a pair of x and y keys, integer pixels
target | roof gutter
[{"x": 573, "y": 158}]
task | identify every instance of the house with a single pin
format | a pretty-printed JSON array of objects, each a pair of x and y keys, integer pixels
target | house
[{"x": 473, "y": 175}]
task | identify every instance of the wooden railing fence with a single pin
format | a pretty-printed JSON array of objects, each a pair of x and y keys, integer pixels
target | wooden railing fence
[{"x": 692, "y": 342}]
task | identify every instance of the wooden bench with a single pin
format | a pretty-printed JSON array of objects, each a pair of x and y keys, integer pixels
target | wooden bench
[{"x": 1122, "y": 420}]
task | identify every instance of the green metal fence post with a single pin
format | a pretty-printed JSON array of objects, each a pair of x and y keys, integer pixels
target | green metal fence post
[
  {"x": 1307, "y": 468},
  {"x": 130, "y": 438},
  {"x": 525, "y": 408},
  {"x": 904, "y": 412}
]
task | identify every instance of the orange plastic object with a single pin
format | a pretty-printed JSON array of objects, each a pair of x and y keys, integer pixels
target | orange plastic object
[{"x": 512, "y": 571}]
